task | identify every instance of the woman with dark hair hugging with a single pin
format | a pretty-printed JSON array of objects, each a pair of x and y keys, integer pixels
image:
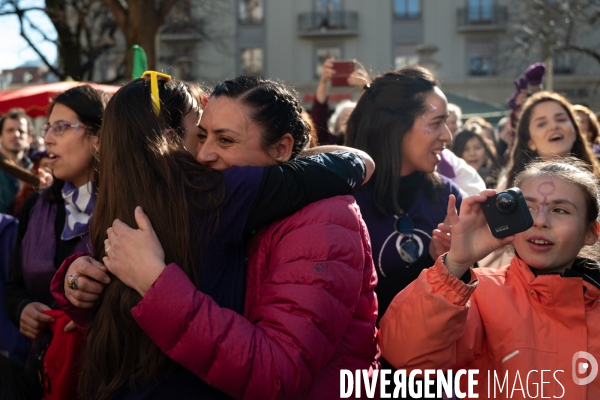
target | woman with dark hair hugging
[{"x": 178, "y": 286}]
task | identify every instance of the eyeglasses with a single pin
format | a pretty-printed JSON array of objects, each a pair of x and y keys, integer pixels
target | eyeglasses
[
  {"x": 58, "y": 128},
  {"x": 154, "y": 75}
]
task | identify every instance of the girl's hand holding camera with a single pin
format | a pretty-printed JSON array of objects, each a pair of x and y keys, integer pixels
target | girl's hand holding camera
[{"x": 472, "y": 239}]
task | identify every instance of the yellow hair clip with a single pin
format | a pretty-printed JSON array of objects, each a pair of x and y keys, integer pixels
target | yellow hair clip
[{"x": 154, "y": 75}]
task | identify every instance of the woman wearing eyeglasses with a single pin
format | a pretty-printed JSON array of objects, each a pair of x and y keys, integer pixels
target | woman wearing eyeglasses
[{"x": 54, "y": 224}]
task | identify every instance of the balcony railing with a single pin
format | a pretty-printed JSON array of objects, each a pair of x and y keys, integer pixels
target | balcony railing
[
  {"x": 182, "y": 30},
  {"x": 478, "y": 19},
  {"x": 336, "y": 23}
]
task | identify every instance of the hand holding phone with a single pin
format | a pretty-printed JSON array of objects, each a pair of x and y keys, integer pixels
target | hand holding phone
[{"x": 343, "y": 69}]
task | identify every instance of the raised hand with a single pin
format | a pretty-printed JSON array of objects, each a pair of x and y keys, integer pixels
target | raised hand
[
  {"x": 359, "y": 78},
  {"x": 135, "y": 256},
  {"x": 46, "y": 178},
  {"x": 472, "y": 239},
  {"x": 441, "y": 239},
  {"x": 85, "y": 281},
  {"x": 327, "y": 71}
]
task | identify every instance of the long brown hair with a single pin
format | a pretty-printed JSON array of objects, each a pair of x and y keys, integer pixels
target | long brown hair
[
  {"x": 381, "y": 119},
  {"x": 593, "y": 122},
  {"x": 140, "y": 167},
  {"x": 521, "y": 154}
]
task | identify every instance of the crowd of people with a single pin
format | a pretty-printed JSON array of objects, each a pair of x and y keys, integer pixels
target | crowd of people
[{"x": 172, "y": 241}]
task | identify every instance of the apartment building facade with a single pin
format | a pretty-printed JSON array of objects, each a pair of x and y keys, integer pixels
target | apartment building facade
[{"x": 468, "y": 43}]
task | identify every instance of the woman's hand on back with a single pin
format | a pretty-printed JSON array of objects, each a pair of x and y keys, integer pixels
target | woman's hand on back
[
  {"x": 472, "y": 239},
  {"x": 330, "y": 148},
  {"x": 135, "y": 256},
  {"x": 91, "y": 276}
]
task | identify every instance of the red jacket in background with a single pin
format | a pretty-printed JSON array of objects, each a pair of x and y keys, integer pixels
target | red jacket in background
[{"x": 310, "y": 309}]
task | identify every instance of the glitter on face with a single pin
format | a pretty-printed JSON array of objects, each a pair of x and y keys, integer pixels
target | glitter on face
[{"x": 426, "y": 114}]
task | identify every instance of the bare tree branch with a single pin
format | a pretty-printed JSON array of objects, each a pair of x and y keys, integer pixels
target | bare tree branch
[
  {"x": 117, "y": 9},
  {"x": 165, "y": 8},
  {"x": 38, "y": 30},
  {"x": 584, "y": 50},
  {"x": 547, "y": 28},
  {"x": 23, "y": 10},
  {"x": 35, "y": 49}
]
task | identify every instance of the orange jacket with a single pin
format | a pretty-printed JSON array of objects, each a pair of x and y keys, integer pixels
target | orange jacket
[{"x": 509, "y": 321}]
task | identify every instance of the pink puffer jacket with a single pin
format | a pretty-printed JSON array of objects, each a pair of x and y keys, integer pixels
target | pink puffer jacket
[
  {"x": 313, "y": 273},
  {"x": 310, "y": 311}
]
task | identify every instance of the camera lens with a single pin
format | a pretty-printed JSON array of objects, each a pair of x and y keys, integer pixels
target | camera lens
[{"x": 505, "y": 202}]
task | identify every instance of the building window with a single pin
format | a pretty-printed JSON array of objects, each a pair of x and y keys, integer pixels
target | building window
[
  {"x": 251, "y": 11},
  {"x": 252, "y": 61},
  {"x": 480, "y": 65},
  {"x": 406, "y": 55},
  {"x": 480, "y": 10},
  {"x": 481, "y": 58},
  {"x": 328, "y": 14},
  {"x": 328, "y": 6},
  {"x": 322, "y": 54},
  {"x": 561, "y": 63},
  {"x": 407, "y": 9}
]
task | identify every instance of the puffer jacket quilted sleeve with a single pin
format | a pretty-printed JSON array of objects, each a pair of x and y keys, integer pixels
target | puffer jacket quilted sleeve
[
  {"x": 436, "y": 302},
  {"x": 312, "y": 284}
]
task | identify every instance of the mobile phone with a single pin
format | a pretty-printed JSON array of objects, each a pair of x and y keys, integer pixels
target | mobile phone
[
  {"x": 507, "y": 213},
  {"x": 343, "y": 69}
]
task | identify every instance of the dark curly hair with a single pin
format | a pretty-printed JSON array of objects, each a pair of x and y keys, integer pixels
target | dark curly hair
[{"x": 275, "y": 108}]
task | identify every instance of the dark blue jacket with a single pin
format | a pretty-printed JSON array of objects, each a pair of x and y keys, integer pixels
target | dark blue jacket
[{"x": 11, "y": 340}]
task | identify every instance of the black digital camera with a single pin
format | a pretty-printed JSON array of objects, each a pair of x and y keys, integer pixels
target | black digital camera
[{"x": 507, "y": 213}]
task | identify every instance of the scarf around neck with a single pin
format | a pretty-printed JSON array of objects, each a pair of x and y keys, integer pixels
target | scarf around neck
[{"x": 79, "y": 206}]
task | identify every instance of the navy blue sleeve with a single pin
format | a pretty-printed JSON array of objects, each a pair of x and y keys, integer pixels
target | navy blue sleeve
[
  {"x": 288, "y": 187},
  {"x": 257, "y": 196}
]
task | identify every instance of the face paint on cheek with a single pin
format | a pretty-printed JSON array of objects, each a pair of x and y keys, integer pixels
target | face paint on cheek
[
  {"x": 546, "y": 189},
  {"x": 426, "y": 115}
]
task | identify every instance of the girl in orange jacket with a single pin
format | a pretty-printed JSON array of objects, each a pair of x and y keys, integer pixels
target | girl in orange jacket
[{"x": 531, "y": 328}]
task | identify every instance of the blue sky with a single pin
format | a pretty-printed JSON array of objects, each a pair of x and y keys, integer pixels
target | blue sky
[{"x": 14, "y": 50}]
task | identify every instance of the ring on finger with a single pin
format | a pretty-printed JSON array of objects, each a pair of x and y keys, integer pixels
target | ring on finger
[{"x": 72, "y": 281}]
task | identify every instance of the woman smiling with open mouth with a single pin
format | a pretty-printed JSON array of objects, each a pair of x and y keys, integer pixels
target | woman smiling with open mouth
[{"x": 547, "y": 128}]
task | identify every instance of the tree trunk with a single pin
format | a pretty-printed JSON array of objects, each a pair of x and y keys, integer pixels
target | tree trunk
[
  {"x": 69, "y": 49},
  {"x": 549, "y": 74},
  {"x": 140, "y": 23}
]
